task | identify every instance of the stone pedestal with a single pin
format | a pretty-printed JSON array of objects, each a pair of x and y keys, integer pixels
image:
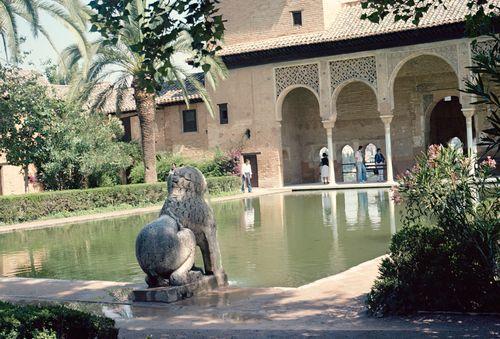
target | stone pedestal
[{"x": 172, "y": 294}]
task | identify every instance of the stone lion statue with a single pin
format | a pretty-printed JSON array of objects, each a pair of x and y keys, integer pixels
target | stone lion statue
[
  {"x": 186, "y": 189},
  {"x": 165, "y": 251},
  {"x": 165, "y": 248}
]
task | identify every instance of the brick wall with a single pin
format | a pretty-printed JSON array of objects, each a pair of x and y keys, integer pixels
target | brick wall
[
  {"x": 303, "y": 137},
  {"x": 251, "y": 20}
]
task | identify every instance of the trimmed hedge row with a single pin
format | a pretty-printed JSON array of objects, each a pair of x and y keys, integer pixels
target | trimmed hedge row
[
  {"x": 31, "y": 321},
  {"x": 28, "y": 207}
]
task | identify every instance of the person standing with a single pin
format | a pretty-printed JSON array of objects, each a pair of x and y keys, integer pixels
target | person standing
[
  {"x": 246, "y": 176},
  {"x": 379, "y": 165},
  {"x": 360, "y": 165},
  {"x": 325, "y": 170}
]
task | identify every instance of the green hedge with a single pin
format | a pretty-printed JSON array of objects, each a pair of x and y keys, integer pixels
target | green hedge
[
  {"x": 28, "y": 207},
  {"x": 30, "y": 321}
]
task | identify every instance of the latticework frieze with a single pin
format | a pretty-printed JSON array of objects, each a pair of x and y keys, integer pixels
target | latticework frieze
[
  {"x": 353, "y": 69},
  {"x": 482, "y": 46},
  {"x": 307, "y": 75}
]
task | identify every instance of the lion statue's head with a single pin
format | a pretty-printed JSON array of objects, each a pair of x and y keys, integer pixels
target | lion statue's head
[{"x": 186, "y": 181}]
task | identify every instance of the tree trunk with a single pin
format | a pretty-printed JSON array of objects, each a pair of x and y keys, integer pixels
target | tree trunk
[
  {"x": 26, "y": 179},
  {"x": 146, "y": 107}
]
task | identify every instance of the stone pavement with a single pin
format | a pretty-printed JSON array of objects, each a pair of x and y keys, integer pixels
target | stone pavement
[{"x": 333, "y": 306}]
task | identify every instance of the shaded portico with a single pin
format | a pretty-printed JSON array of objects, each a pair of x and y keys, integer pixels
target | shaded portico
[{"x": 396, "y": 99}]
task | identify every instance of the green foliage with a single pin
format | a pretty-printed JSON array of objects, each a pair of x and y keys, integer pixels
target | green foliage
[
  {"x": 483, "y": 84},
  {"x": 480, "y": 19},
  {"x": 84, "y": 150},
  {"x": 21, "y": 208},
  {"x": 447, "y": 255},
  {"x": 158, "y": 24},
  {"x": 43, "y": 322},
  {"x": 223, "y": 185},
  {"x": 72, "y": 13},
  {"x": 26, "y": 110},
  {"x": 28, "y": 207},
  {"x": 220, "y": 165}
]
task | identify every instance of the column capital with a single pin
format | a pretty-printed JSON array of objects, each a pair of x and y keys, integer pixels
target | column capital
[
  {"x": 468, "y": 112},
  {"x": 328, "y": 124},
  {"x": 386, "y": 119}
]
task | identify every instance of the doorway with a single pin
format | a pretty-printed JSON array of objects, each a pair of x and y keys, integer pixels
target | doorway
[
  {"x": 255, "y": 168},
  {"x": 447, "y": 122}
]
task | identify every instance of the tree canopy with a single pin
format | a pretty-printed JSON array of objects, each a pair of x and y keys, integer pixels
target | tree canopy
[
  {"x": 480, "y": 19},
  {"x": 160, "y": 24}
]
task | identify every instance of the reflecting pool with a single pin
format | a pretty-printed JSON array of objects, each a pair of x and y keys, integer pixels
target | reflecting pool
[{"x": 273, "y": 240}]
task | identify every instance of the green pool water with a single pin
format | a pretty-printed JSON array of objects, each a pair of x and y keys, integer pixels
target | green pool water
[{"x": 274, "y": 240}]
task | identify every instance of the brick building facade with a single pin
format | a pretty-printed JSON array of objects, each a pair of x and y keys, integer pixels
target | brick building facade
[
  {"x": 329, "y": 79},
  {"x": 309, "y": 74}
]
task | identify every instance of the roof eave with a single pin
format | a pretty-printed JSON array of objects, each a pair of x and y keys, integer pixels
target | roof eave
[{"x": 347, "y": 46}]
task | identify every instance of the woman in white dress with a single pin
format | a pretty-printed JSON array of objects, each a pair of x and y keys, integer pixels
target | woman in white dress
[{"x": 325, "y": 170}]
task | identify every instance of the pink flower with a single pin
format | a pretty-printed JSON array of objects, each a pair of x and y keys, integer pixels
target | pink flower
[
  {"x": 432, "y": 154},
  {"x": 396, "y": 196},
  {"x": 489, "y": 162},
  {"x": 433, "y": 151}
]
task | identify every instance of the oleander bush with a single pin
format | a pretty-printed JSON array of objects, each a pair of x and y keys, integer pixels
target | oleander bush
[
  {"x": 446, "y": 257},
  {"x": 27, "y": 207},
  {"x": 34, "y": 321}
]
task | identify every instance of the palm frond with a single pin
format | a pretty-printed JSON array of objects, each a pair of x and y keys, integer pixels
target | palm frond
[{"x": 11, "y": 35}]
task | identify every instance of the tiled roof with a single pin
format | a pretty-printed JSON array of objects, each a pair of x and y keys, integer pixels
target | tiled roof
[
  {"x": 128, "y": 102},
  {"x": 347, "y": 24},
  {"x": 169, "y": 94}
]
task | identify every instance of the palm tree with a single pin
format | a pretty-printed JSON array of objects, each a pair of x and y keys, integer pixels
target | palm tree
[
  {"x": 71, "y": 13},
  {"x": 124, "y": 70}
]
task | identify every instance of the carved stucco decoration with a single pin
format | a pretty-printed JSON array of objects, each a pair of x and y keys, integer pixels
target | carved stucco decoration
[
  {"x": 482, "y": 46},
  {"x": 307, "y": 75},
  {"x": 353, "y": 69},
  {"x": 448, "y": 53}
]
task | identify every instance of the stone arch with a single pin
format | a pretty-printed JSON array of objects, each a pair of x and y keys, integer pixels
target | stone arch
[
  {"x": 404, "y": 61},
  {"x": 416, "y": 85},
  {"x": 370, "y": 151},
  {"x": 358, "y": 119},
  {"x": 302, "y": 135},
  {"x": 445, "y": 112},
  {"x": 349, "y": 170},
  {"x": 284, "y": 94},
  {"x": 338, "y": 90}
]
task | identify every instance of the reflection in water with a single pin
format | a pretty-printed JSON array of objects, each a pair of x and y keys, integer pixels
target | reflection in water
[
  {"x": 248, "y": 216},
  {"x": 374, "y": 206},
  {"x": 351, "y": 208},
  {"x": 326, "y": 204},
  {"x": 363, "y": 206},
  {"x": 274, "y": 240}
]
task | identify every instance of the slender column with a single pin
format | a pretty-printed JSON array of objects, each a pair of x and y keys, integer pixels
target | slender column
[
  {"x": 469, "y": 115},
  {"x": 386, "y": 119},
  {"x": 471, "y": 148},
  {"x": 329, "y": 136}
]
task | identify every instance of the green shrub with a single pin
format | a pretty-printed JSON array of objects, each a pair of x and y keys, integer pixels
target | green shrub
[
  {"x": 220, "y": 185},
  {"x": 447, "y": 255},
  {"x": 31, "y": 321},
  {"x": 220, "y": 165},
  {"x": 27, "y": 207}
]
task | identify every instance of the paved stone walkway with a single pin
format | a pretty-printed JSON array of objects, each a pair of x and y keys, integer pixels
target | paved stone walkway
[{"x": 325, "y": 308}]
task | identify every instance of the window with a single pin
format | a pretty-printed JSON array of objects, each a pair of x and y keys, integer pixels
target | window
[
  {"x": 297, "y": 18},
  {"x": 127, "y": 135},
  {"x": 223, "y": 114},
  {"x": 189, "y": 120}
]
